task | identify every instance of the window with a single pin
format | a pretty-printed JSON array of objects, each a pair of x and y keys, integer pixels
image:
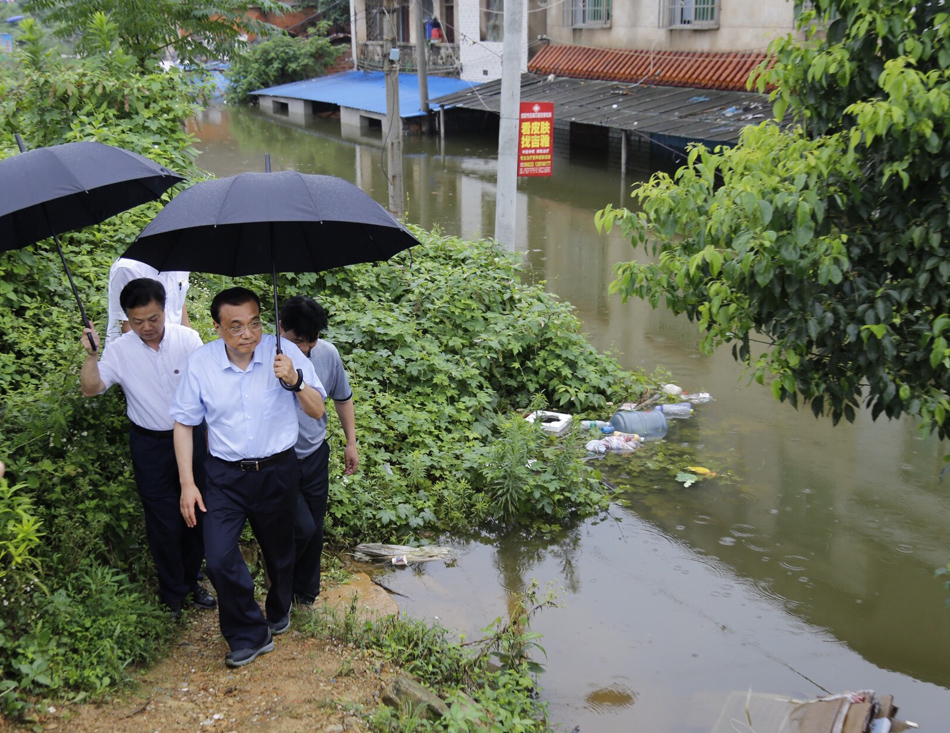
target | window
[
  {"x": 492, "y": 20},
  {"x": 587, "y": 13},
  {"x": 689, "y": 14}
]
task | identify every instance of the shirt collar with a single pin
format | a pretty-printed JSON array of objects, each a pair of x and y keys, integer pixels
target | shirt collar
[{"x": 225, "y": 363}]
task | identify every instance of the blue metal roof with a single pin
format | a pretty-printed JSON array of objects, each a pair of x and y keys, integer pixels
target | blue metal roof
[{"x": 366, "y": 90}]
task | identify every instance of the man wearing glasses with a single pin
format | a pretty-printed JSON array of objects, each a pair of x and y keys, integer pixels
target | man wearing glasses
[{"x": 248, "y": 395}]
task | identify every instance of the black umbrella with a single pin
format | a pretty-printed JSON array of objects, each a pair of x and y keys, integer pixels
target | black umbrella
[
  {"x": 48, "y": 191},
  {"x": 258, "y": 223}
]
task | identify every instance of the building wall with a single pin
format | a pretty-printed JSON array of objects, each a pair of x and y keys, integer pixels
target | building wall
[
  {"x": 744, "y": 25},
  {"x": 481, "y": 60}
]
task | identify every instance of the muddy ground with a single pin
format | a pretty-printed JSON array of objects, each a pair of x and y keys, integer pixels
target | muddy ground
[{"x": 305, "y": 684}]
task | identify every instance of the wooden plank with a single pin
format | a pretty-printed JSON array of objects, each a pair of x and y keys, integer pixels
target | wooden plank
[{"x": 815, "y": 717}]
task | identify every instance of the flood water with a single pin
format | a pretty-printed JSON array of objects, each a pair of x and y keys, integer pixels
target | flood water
[{"x": 806, "y": 568}]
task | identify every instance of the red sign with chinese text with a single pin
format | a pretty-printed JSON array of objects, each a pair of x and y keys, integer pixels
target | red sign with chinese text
[{"x": 536, "y": 139}]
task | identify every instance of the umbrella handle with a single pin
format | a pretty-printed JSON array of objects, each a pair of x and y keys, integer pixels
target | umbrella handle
[{"x": 294, "y": 388}]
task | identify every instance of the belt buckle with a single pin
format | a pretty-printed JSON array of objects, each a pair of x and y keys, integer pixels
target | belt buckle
[{"x": 250, "y": 466}]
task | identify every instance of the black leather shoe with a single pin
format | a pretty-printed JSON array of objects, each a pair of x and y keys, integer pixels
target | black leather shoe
[
  {"x": 279, "y": 627},
  {"x": 200, "y": 598},
  {"x": 175, "y": 610},
  {"x": 241, "y": 657}
]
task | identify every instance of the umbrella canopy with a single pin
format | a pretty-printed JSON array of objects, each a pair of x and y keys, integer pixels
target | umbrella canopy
[
  {"x": 256, "y": 223},
  {"x": 48, "y": 191}
]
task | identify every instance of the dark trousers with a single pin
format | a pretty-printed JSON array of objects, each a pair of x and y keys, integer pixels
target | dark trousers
[
  {"x": 176, "y": 549},
  {"x": 308, "y": 522},
  {"x": 266, "y": 499}
]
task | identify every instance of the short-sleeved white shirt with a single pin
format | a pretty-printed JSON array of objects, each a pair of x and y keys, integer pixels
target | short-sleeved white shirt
[
  {"x": 150, "y": 378},
  {"x": 123, "y": 271}
]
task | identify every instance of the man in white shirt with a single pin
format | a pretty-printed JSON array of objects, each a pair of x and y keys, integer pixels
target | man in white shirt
[
  {"x": 148, "y": 362},
  {"x": 248, "y": 394},
  {"x": 124, "y": 271}
]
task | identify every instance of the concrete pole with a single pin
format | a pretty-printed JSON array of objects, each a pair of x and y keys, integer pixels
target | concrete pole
[
  {"x": 392, "y": 137},
  {"x": 507, "y": 189},
  {"x": 423, "y": 63},
  {"x": 354, "y": 35}
]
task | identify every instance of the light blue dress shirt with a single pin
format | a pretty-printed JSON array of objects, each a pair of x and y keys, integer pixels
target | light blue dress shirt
[{"x": 249, "y": 414}]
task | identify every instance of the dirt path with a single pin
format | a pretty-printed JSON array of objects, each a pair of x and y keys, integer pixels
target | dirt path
[{"x": 305, "y": 684}]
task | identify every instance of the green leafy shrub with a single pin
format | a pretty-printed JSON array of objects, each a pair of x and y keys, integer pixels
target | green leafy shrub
[
  {"x": 82, "y": 611},
  {"x": 447, "y": 350},
  {"x": 278, "y": 60}
]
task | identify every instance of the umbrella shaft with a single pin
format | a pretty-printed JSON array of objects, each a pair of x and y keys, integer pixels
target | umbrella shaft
[{"x": 82, "y": 311}]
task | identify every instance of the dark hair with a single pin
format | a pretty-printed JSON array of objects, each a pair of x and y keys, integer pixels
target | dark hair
[
  {"x": 141, "y": 292},
  {"x": 304, "y": 316},
  {"x": 232, "y": 296}
]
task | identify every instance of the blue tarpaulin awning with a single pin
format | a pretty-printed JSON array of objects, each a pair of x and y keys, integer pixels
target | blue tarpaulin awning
[{"x": 366, "y": 90}]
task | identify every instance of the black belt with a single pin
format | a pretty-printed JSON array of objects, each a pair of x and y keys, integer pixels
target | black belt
[
  {"x": 166, "y": 434},
  {"x": 256, "y": 464}
]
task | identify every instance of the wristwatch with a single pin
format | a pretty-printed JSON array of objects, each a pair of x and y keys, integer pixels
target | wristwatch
[{"x": 298, "y": 386}]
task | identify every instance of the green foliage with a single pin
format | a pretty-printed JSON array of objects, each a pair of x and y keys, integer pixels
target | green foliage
[
  {"x": 481, "y": 695},
  {"x": 82, "y": 609},
  {"x": 278, "y": 60},
  {"x": 19, "y": 538},
  {"x": 821, "y": 253},
  {"x": 447, "y": 350},
  {"x": 191, "y": 32}
]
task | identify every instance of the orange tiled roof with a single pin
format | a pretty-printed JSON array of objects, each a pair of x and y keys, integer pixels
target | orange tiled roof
[{"x": 696, "y": 69}]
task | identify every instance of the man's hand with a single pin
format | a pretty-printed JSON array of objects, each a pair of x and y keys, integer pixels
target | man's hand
[
  {"x": 284, "y": 370},
  {"x": 86, "y": 332},
  {"x": 351, "y": 459},
  {"x": 189, "y": 497}
]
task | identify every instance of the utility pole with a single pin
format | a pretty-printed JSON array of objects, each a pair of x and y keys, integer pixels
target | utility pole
[
  {"x": 507, "y": 188},
  {"x": 423, "y": 63},
  {"x": 393, "y": 136}
]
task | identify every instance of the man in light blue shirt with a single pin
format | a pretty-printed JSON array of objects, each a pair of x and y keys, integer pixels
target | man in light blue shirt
[{"x": 248, "y": 395}]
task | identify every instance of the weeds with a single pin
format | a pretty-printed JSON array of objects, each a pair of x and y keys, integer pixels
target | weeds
[{"x": 490, "y": 681}]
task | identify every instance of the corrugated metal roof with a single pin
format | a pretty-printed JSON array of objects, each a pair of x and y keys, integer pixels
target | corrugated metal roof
[
  {"x": 702, "y": 115},
  {"x": 366, "y": 90},
  {"x": 695, "y": 69}
]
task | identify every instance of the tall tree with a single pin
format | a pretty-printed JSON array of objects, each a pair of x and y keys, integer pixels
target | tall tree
[
  {"x": 822, "y": 253},
  {"x": 148, "y": 29}
]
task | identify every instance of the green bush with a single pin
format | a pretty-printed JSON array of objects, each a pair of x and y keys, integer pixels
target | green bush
[
  {"x": 77, "y": 609},
  {"x": 447, "y": 349},
  {"x": 278, "y": 60}
]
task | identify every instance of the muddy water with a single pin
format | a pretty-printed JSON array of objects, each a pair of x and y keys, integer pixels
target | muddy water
[{"x": 806, "y": 566}]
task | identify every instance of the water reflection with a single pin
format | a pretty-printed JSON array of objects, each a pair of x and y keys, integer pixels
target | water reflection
[{"x": 806, "y": 565}]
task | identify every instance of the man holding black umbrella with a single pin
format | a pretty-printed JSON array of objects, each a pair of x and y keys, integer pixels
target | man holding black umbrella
[
  {"x": 148, "y": 363},
  {"x": 248, "y": 393}
]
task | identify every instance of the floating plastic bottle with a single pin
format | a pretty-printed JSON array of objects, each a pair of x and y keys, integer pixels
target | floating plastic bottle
[
  {"x": 676, "y": 409},
  {"x": 614, "y": 444},
  {"x": 650, "y": 425},
  {"x": 588, "y": 424}
]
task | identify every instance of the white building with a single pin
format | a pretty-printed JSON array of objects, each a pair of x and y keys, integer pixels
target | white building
[{"x": 473, "y": 29}]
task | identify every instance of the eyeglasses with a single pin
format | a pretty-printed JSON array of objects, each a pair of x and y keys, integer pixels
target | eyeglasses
[{"x": 253, "y": 326}]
